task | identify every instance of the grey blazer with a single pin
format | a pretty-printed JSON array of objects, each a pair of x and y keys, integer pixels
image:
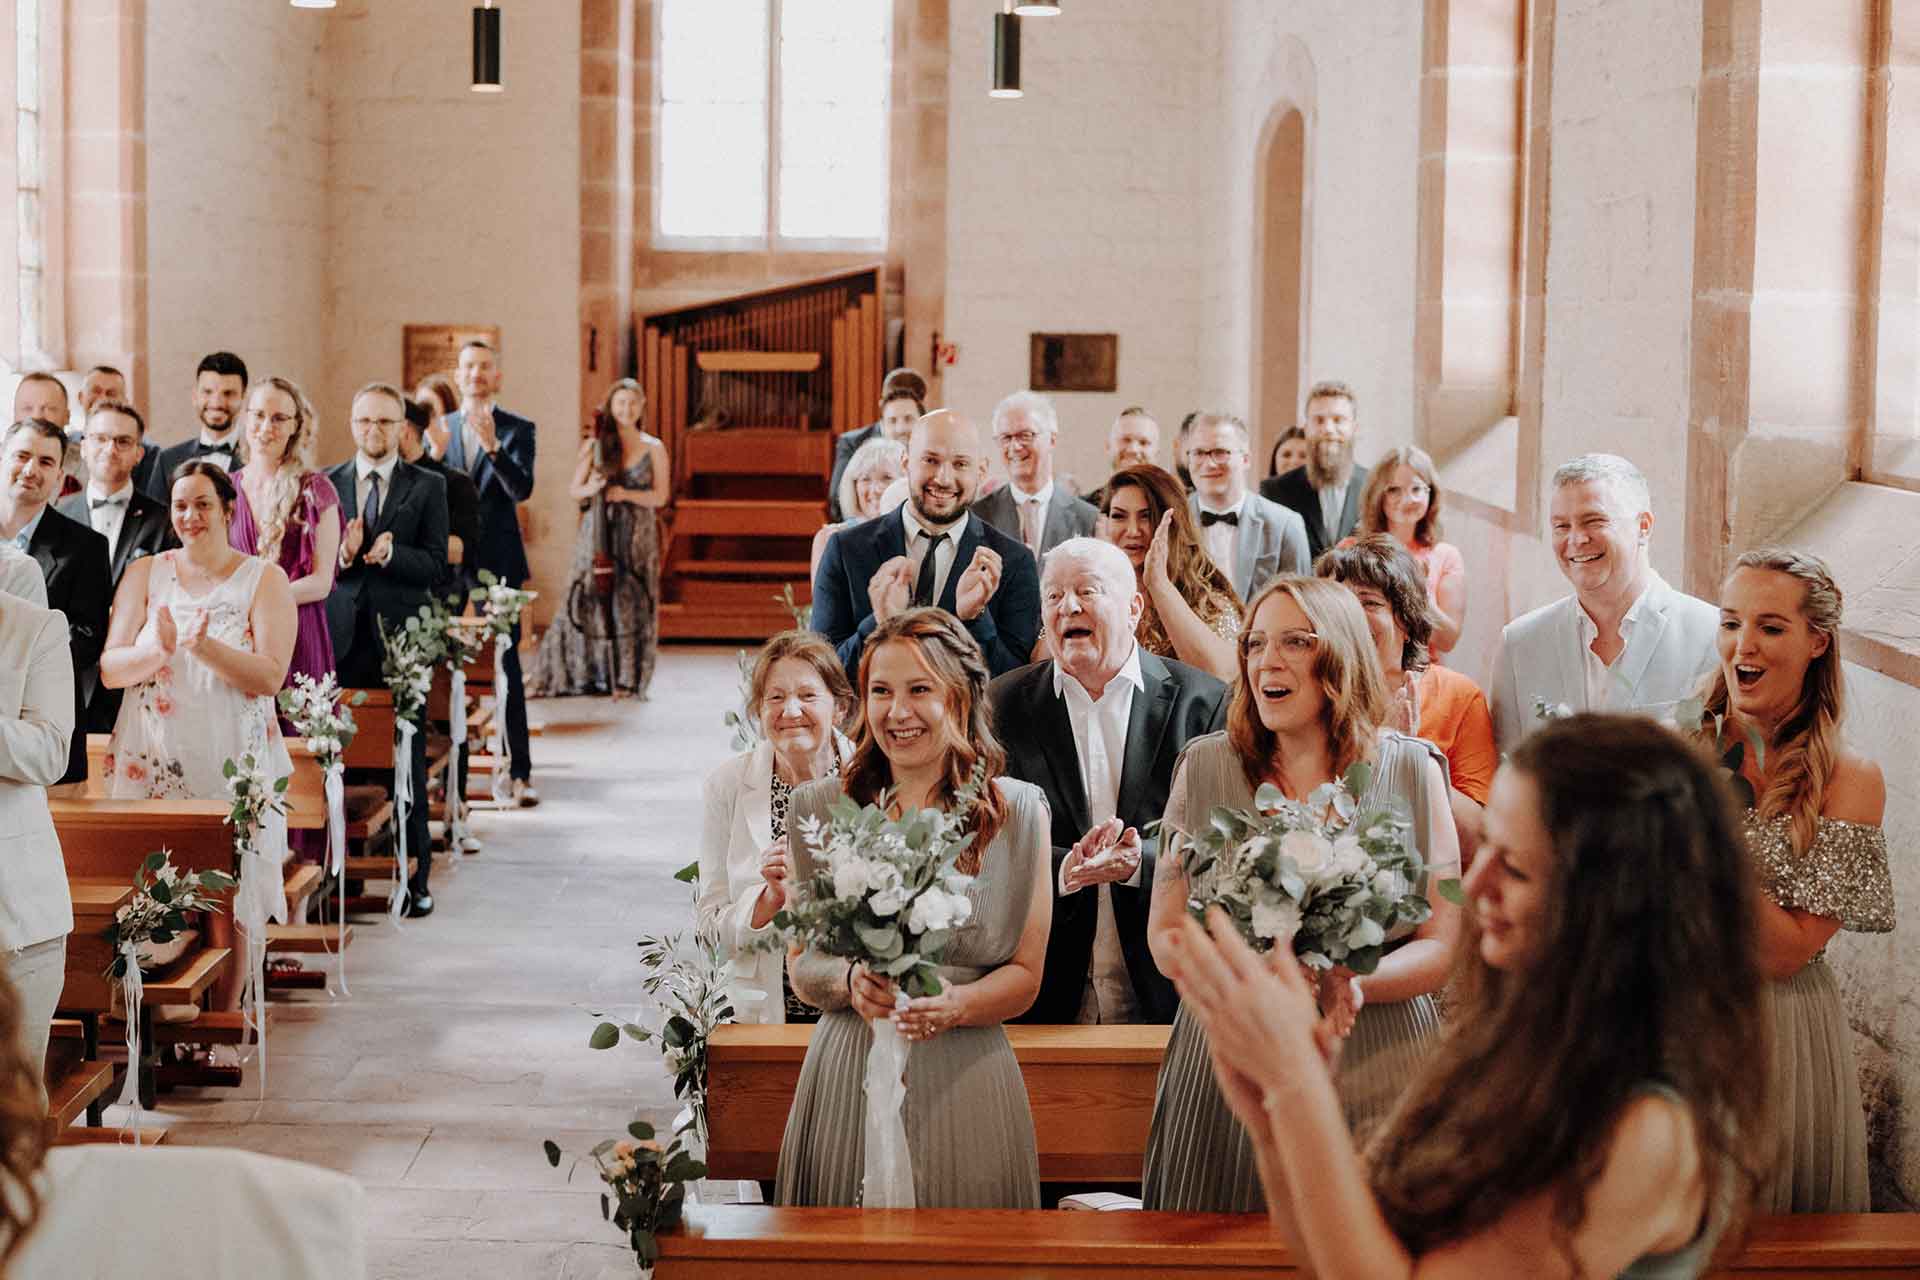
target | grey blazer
[
  {"x": 1068, "y": 516},
  {"x": 1273, "y": 541},
  {"x": 1669, "y": 649}
]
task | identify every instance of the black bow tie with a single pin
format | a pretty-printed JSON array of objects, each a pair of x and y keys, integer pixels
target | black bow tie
[
  {"x": 1218, "y": 517},
  {"x": 202, "y": 448},
  {"x": 94, "y": 504}
]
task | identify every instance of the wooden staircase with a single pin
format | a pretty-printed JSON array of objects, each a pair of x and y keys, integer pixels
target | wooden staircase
[{"x": 749, "y": 394}]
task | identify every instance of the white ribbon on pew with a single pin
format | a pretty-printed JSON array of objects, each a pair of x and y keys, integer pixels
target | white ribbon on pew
[
  {"x": 262, "y": 896},
  {"x": 133, "y": 988},
  {"x": 457, "y": 731},
  {"x": 404, "y": 730},
  {"x": 336, "y": 792},
  {"x": 503, "y": 747},
  {"x": 888, "y": 1181}
]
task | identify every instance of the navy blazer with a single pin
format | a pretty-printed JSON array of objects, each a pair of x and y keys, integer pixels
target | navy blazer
[
  {"x": 1177, "y": 704},
  {"x": 504, "y": 481},
  {"x": 843, "y": 612},
  {"x": 159, "y": 475},
  {"x": 73, "y": 559},
  {"x": 414, "y": 511}
]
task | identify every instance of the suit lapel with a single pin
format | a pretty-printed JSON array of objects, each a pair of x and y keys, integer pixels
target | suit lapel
[
  {"x": 1350, "y": 509},
  {"x": 962, "y": 556},
  {"x": 756, "y": 809},
  {"x": 346, "y": 486},
  {"x": 1246, "y": 554},
  {"x": 398, "y": 488},
  {"x": 1571, "y": 653},
  {"x": 1058, "y": 526},
  {"x": 1063, "y": 757},
  {"x": 1146, "y": 725},
  {"x": 1642, "y": 643}
]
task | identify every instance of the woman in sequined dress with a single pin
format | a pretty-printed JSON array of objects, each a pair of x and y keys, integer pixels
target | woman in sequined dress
[
  {"x": 797, "y": 696},
  {"x": 1814, "y": 832}
]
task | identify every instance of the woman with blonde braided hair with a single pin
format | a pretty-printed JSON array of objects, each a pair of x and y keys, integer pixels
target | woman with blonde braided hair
[{"x": 1773, "y": 707}]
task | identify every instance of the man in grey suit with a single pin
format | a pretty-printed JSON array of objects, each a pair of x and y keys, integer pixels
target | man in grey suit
[
  {"x": 1325, "y": 493},
  {"x": 1251, "y": 539},
  {"x": 1624, "y": 640},
  {"x": 1030, "y": 506}
]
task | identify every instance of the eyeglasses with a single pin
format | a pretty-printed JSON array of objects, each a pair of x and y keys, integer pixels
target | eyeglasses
[
  {"x": 278, "y": 421},
  {"x": 1293, "y": 643},
  {"x": 123, "y": 444},
  {"x": 1215, "y": 457},
  {"x": 1020, "y": 439},
  {"x": 364, "y": 423}
]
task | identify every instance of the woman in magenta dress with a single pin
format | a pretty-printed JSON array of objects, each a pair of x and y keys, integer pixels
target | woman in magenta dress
[{"x": 287, "y": 513}]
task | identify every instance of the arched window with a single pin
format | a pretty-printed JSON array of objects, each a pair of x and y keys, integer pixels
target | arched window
[
  {"x": 30, "y": 60},
  {"x": 771, "y": 119}
]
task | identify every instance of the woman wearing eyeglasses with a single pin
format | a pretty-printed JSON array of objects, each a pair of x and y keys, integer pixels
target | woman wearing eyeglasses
[{"x": 1308, "y": 704}]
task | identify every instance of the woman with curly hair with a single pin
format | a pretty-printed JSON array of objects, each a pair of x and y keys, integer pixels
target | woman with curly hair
[
  {"x": 1192, "y": 613},
  {"x": 1813, "y": 827},
  {"x": 1593, "y": 1109},
  {"x": 925, "y": 730},
  {"x": 288, "y": 514}
]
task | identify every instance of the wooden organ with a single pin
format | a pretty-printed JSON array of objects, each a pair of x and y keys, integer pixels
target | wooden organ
[{"x": 749, "y": 394}]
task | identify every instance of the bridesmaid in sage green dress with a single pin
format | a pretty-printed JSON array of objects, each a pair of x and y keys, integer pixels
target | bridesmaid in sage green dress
[
  {"x": 1818, "y": 847},
  {"x": 922, "y": 686},
  {"x": 1198, "y": 1155}
]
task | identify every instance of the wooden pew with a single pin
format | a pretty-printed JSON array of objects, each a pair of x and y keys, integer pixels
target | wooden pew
[
  {"x": 1091, "y": 1090},
  {"x": 1038, "y": 1244}
]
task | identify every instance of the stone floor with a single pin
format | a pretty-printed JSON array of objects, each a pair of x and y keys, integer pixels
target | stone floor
[{"x": 464, "y": 1041}]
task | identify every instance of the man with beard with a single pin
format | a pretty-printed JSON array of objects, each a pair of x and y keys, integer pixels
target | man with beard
[
  {"x": 1624, "y": 640},
  {"x": 219, "y": 389},
  {"x": 1031, "y": 507},
  {"x": 72, "y": 557},
  {"x": 1326, "y": 492},
  {"x": 931, "y": 551}
]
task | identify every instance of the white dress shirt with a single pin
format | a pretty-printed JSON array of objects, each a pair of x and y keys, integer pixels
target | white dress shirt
[
  {"x": 1100, "y": 742},
  {"x": 1601, "y": 685},
  {"x": 1223, "y": 540},
  {"x": 1031, "y": 508},
  {"x": 919, "y": 537},
  {"x": 109, "y": 520}
]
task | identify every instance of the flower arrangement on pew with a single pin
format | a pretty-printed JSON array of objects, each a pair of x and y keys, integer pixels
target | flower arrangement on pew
[
  {"x": 319, "y": 713},
  {"x": 258, "y": 805},
  {"x": 465, "y": 639},
  {"x": 413, "y": 650},
  {"x": 1328, "y": 878},
  {"x": 501, "y": 606},
  {"x": 647, "y": 1182},
  {"x": 886, "y": 893}
]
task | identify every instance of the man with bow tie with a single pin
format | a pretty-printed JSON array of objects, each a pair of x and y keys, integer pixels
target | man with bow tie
[
  {"x": 133, "y": 523},
  {"x": 1252, "y": 539},
  {"x": 219, "y": 389}
]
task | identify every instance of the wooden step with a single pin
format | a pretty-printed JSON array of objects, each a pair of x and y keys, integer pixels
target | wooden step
[
  {"x": 75, "y": 1135},
  {"x": 303, "y": 882},
  {"x": 757, "y": 361},
  {"x": 747, "y": 517},
  {"x": 185, "y": 981},
  {"x": 779, "y": 570},
  {"x": 77, "y": 1086},
  {"x": 679, "y": 620},
  {"x": 760, "y": 451},
  {"x": 378, "y": 868},
  {"x": 305, "y": 939}
]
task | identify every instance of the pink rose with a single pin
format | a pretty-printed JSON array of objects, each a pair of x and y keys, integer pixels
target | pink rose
[
  {"x": 163, "y": 704},
  {"x": 135, "y": 773}
]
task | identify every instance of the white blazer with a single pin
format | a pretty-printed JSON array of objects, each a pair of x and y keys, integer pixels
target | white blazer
[
  {"x": 1669, "y": 649},
  {"x": 736, "y": 830},
  {"x": 36, "y": 723}
]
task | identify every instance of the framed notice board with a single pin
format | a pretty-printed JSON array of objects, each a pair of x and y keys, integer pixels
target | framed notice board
[
  {"x": 1074, "y": 362},
  {"x": 435, "y": 348}
]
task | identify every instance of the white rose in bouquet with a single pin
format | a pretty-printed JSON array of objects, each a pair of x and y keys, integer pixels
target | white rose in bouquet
[
  {"x": 1349, "y": 859},
  {"x": 936, "y": 910},
  {"x": 1309, "y": 850},
  {"x": 889, "y": 892},
  {"x": 852, "y": 876},
  {"x": 1278, "y": 920},
  {"x": 1388, "y": 884}
]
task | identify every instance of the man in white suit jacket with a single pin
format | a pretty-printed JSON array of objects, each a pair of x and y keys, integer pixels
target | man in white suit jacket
[
  {"x": 1250, "y": 537},
  {"x": 1624, "y": 640}
]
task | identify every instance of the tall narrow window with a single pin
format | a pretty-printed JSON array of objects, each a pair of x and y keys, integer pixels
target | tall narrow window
[
  {"x": 772, "y": 123},
  {"x": 30, "y": 175}
]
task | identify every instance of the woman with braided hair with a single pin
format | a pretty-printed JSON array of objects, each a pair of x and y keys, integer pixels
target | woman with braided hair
[{"x": 1774, "y": 706}]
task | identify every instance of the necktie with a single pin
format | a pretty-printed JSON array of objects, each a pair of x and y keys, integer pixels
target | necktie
[
  {"x": 1030, "y": 524},
  {"x": 371, "y": 516},
  {"x": 923, "y": 585},
  {"x": 1218, "y": 517}
]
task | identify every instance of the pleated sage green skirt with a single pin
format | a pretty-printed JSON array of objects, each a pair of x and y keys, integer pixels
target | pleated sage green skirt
[
  {"x": 969, "y": 1127},
  {"x": 1821, "y": 1157},
  {"x": 1199, "y": 1159}
]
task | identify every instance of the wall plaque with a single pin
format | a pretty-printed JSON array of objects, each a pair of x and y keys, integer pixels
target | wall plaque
[
  {"x": 1075, "y": 362},
  {"x": 435, "y": 348}
]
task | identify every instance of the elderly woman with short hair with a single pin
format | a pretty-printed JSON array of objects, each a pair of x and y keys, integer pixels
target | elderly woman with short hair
[
  {"x": 797, "y": 697},
  {"x": 871, "y": 471}
]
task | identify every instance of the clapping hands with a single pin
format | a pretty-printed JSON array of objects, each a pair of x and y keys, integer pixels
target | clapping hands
[
  {"x": 890, "y": 590},
  {"x": 977, "y": 584},
  {"x": 1108, "y": 854}
]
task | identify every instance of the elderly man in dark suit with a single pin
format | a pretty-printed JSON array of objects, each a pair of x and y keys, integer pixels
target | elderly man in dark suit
[
  {"x": 219, "y": 391},
  {"x": 72, "y": 557},
  {"x": 112, "y": 505},
  {"x": 393, "y": 551},
  {"x": 1031, "y": 506},
  {"x": 931, "y": 551},
  {"x": 903, "y": 401},
  {"x": 495, "y": 448},
  {"x": 1098, "y": 728},
  {"x": 1325, "y": 493}
]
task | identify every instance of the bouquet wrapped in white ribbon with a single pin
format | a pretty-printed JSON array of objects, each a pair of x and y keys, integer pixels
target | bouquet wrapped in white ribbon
[
  {"x": 1325, "y": 876},
  {"x": 886, "y": 893},
  {"x": 318, "y": 712}
]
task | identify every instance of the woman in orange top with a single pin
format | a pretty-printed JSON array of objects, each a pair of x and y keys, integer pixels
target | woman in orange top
[{"x": 1430, "y": 701}]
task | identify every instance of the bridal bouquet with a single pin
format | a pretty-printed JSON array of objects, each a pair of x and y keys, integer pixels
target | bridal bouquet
[
  {"x": 1325, "y": 876},
  {"x": 885, "y": 892}
]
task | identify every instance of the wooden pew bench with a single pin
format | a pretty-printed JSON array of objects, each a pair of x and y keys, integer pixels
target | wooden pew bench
[
  {"x": 1038, "y": 1244},
  {"x": 75, "y": 1078},
  {"x": 1091, "y": 1090}
]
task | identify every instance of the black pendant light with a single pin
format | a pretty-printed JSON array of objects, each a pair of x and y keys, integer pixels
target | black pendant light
[
  {"x": 486, "y": 49},
  {"x": 1006, "y": 55}
]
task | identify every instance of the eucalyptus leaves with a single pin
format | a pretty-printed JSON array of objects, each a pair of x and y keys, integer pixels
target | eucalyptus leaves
[
  {"x": 500, "y": 604},
  {"x": 253, "y": 798},
  {"x": 1690, "y": 716},
  {"x": 412, "y": 651},
  {"x": 163, "y": 898},
  {"x": 647, "y": 1183}
]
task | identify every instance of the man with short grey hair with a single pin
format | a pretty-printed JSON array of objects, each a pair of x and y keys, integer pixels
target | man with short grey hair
[
  {"x": 1098, "y": 727},
  {"x": 1030, "y": 506},
  {"x": 1624, "y": 640}
]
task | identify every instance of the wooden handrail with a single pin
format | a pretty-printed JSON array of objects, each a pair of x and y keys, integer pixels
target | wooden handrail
[{"x": 772, "y": 290}]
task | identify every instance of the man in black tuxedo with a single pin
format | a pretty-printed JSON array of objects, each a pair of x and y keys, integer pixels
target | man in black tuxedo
[
  {"x": 931, "y": 551},
  {"x": 1098, "y": 728},
  {"x": 392, "y": 552},
  {"x": 133, "y": 524},
  {"x": 72, "y": 557},
  {"x": 463, "y": 503},
  {"x": 1326, "y": 492},
  {"x": 496, "y": 449},
  {"x": 219, "y": 391},
  {"x": 903, "y": 401}
]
